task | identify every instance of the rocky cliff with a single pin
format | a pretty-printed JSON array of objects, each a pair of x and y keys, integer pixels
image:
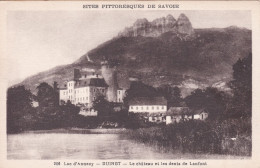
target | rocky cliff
[{"x": 142, "y": 27}]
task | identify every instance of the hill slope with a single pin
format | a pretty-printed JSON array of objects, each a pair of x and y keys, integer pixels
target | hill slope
[{"x": 204, "y": 56}]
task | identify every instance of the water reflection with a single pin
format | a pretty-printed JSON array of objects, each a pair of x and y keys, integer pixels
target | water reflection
[{"x": 78, "y": 146}]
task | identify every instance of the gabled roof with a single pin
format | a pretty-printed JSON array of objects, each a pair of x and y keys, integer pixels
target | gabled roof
[
  {"x": 148, "y": 101},
  {"x": 97, "y": 82},
  {"x": 200, "y": 111}
]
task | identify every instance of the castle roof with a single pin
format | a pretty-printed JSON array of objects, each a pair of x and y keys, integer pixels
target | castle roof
[
  {"x": 97, "y": 82},
  {"x": 148, "y": 101}
]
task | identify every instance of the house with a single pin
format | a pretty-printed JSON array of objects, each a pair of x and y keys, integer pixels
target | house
[
  {"x": 121, "y": 93},
  {"x": 82, "y": 90},
  {"x": 157, "y": 118},
  {"x": 176, "y": 114},
  {"x": 148, "y": 105},
  {"x": 87, "y": 112},
  {"x": 200, "y": 114}
]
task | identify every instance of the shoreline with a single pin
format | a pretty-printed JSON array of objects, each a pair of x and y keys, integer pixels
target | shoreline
[{"x": 78, "y": 131}]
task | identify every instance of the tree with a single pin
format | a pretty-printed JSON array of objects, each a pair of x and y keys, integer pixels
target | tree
[
  {"x": 209, "y": 99},
  {"x": 56, "y": 93},
  {"x": 46, "y": 95},
  {"x": 20, "y": 112},
  {"x": 48, "y": 112},
  {"x": 172, "y": 94},
  {"x": 102, "y": 106},
  {"x": 68, "y": 115},
  {"x": 139, "y": 89},
  {"x": 242, "y": 88}
]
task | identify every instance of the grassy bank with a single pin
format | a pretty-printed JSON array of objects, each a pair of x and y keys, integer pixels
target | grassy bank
[{"x": 199, "y": 137}]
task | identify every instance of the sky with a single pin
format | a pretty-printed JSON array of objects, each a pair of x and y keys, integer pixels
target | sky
[{"x": 40, "y": 40}]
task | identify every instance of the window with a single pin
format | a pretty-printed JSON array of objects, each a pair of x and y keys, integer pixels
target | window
[
  {"x": 157, "y": 107},
  {"x": 147, "y": 108},
  {"x": 119, "y": 92},
  {"x": 94, "y": 98},
  {"x": 162, "y": 107},
  {"x": 136, "y": 108},
  {"x": 132, "y": 107},
  {"x": 119, "y": 99},
  {"x": 152, "y": 107},
  {"x": 141, "y": 108},
  {"x": 86, "y": 98}
]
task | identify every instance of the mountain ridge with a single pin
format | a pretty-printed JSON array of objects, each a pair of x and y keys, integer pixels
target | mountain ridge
[
  {"x": 204, "y": 55},
  {"x": 142, "y": 27}
]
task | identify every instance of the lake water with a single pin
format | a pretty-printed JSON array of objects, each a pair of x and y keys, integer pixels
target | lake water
[
  {"x": 87, "y": 146},
  {"x": 77, "y": 146}
]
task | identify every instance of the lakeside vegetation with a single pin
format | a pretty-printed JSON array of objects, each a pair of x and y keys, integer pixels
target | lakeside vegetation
[{"x": 198, "y": 137}]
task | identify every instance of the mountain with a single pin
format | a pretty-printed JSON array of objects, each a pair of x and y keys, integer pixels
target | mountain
[
  {"x": 142, "y": 27},
  {"x": 164, "y": 51}
]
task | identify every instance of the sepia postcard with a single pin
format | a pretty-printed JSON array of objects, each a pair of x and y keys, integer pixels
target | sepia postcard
[{"x": 129, "y": 84}]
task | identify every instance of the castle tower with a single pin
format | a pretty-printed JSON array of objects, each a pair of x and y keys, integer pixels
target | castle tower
[
  {"x": 109, "y": 72},
  {"x": 77, "y": 74}
]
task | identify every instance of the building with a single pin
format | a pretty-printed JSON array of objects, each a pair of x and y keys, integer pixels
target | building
[
  {"x": 177, "y": 114},
  {"x": 82, "y": 90},
  {"x": 200, "y": 114},
  {"x": 148, "y": 105},
  {"x": 158, "y": 118},
  {"x": 121, "y": 93}
]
